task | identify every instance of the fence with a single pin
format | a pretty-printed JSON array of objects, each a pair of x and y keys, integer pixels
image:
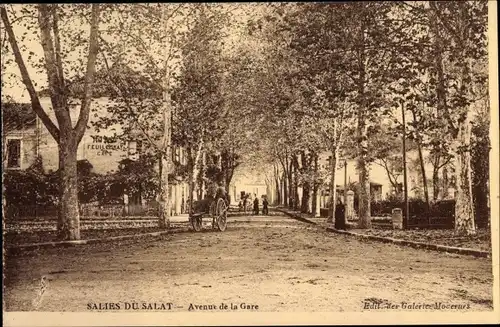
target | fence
[{"x": 35, "y": 212}]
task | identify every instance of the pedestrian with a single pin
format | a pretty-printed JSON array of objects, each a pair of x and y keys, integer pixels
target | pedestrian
[
  {"x": 245, "y": 199},
  {"x": 265, "y": 210},
  {"x": 256, "y": 205},
  {"x": 340, "y": 215}
]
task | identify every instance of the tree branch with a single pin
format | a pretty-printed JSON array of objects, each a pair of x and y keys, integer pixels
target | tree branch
[
  {"x": 83, "y": 118},
  {"x": 129, "y": 107},
  {"x": 447, "y": 161},
  {"x": 57, "y": 93},
  {"x": 57, "y": 44},
  {"x": 35, "y": 101}
]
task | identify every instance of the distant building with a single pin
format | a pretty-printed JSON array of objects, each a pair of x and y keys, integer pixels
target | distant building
[
  {"x": 380, "y": 185},
  {"x": 251, "y": 184}
]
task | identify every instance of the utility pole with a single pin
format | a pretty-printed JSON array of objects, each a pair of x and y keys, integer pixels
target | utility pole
[{"x": 405, "y": 177}]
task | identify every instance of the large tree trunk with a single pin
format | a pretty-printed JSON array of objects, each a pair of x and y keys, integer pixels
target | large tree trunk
[
  {"x": 364, "y": 177},
  {"x": 285, "y": 189},
  {"x": 422, "y": 164},
  {"x": 464, "y": 209},
  {"x": 362, "y": 133},
  {"x": 164, "y": 214},
  {"x": 68, "y": 216},
  {"x": 333, "y": 186},
  {"x": 296, "y": 199},
  {"x": 424, "y": 180},
  {"x": 279, "y": 190},
  {"x": 201, "y": 176},
  {"x": 228, "y": 166},
  {"x": 440, "y": 79},
  {"x": 306, "y": 188},
  {"x": 277, "y": 182},
  {"x": 315, "y": 194},
  {"x": 193, "y": 172},
  {"x": 191, "y": 184},
  {"x": 164, "y": 198},
  {"x": 290, "y": 185},
  {"x": 464, "y": 205},
  {"x": 445, "y": 183},
  {"x": 435, "y": 183}
]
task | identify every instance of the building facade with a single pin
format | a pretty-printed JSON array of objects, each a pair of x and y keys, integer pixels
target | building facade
[{"x": 27, "y": 138}]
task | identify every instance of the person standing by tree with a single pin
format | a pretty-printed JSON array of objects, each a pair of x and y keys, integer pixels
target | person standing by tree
[
  {"x": 245, "y": 199},
  {"x": 265, "y": 203},
  {"x": 340, "y": 215},
  {"x": 256, "y": 205}
]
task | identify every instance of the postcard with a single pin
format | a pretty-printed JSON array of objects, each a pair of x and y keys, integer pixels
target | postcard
[{"x": 250, "y": 163}]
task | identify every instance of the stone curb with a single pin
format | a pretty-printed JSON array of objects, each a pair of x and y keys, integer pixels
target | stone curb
[
  {"x": 417, "y": 245},
  {"x": 32, "y": 246},
  {"x": 296, "y": 217}
]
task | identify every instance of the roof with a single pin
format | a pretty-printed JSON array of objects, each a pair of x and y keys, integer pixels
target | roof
[{"x": 17, "y": 116}]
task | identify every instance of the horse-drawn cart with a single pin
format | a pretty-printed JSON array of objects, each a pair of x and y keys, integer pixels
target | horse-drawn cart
[{"x": 216, "y": 208}]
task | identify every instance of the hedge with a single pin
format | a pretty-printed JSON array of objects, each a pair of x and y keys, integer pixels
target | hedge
[
  {"x": 34, "y": 192},
  {"x": 417, "y": 208}
]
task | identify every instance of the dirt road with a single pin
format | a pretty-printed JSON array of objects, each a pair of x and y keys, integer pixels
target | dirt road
[{"x": 268, "y": 264}]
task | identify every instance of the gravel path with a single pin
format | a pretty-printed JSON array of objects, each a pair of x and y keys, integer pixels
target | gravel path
[{"x": 279, "y": 265}]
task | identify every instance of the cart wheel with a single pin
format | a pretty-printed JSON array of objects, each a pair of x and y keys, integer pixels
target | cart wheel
[
  {"x": 196, "y": 223},
  {"x": 221, "y": 215}
]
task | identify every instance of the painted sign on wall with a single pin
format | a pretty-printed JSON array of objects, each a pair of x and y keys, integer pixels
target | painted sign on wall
[{"x": 105, "y": 145}]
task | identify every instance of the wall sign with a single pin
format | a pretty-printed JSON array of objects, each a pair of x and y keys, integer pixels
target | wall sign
[{"x": 105, "y": 146}]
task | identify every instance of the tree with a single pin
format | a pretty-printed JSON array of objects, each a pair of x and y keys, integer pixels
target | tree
[
  {"x": 364, "y": 43},
  {"x": 238, "y": 129},
  {"x": 459, "y": 42},
  {"x": 326, "y": 101},
  {"x": 386, "y": 145},
  {"x": 197, "y": 95},
  {"x": 50, "y": 17},
  {"x": 139, "y": 71}
]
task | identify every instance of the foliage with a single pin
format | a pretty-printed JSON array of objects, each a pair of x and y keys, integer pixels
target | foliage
[
  {"x": 197, "y": 96},
  {"x": 17, "y": 116},
  {"x": 417, "y": 207}
]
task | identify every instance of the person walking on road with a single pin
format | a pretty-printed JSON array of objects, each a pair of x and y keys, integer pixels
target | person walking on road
[
  {"x": 265, "y": 209},
  {"x": 256, "y": 205}
]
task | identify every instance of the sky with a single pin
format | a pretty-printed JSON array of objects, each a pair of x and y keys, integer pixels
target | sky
[{"x": 15, "y": 88}]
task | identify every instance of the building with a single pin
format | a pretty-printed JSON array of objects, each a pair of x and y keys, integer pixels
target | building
[
  {"x": 25, "y": 138},
  {"x": 248, "y": 182},
  {"x": 380, "y": 184}
]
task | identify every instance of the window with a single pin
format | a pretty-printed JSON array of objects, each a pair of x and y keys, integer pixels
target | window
[{"x": 13, "y": 153}]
